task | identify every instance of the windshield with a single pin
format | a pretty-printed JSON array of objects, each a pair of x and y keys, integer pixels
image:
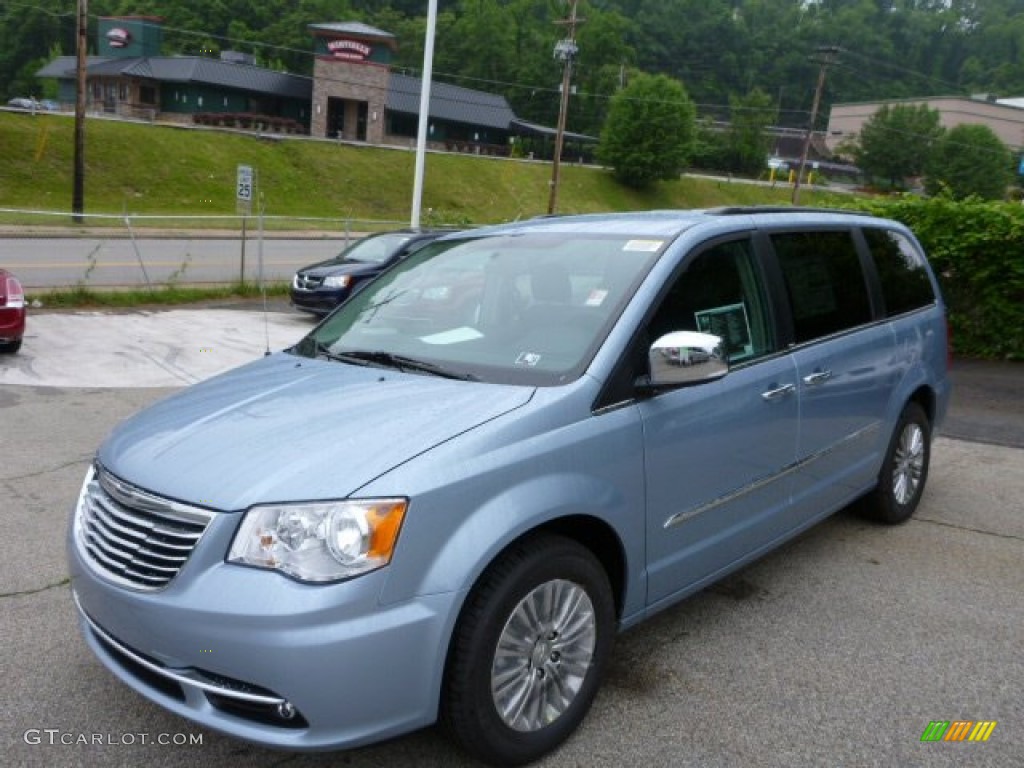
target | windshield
[
  {"x": 525, "y": 308},
  {"x": 374, "y": 249}
]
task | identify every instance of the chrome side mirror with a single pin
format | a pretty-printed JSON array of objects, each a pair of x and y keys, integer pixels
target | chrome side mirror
[{"x": 687, "y": 357}]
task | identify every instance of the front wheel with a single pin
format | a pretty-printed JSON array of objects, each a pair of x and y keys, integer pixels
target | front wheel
[
  {"x": 904, "y": 470},
  {"x": 529, "y": 651}
]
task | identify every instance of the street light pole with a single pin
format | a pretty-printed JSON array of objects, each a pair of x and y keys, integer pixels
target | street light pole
[
  {"x": 78, "y": 184},
  {"x": 424, "y": 118},
  {"x": 565, "y": 50}
]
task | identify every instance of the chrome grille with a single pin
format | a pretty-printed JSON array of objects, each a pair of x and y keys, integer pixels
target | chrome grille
[
  {"x": 307, "y": 282},
  {"x": 133, "y": 537}
]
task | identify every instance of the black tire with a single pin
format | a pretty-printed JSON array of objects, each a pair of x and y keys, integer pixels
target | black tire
[
  {"x": 904, "y": 471},
  {"x": 10, "y": 347},
  {"x": 532, "y": 570}
]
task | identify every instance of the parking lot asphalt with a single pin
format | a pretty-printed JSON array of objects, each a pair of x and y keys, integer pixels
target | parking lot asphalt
[
  {"x": 838, "y": 649},
  {"x": 146, "y": 348}
]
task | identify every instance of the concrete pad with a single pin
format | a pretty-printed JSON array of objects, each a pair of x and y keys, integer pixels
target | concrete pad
[
  {"x": 145, "y": 348},
  {"x": 963, "y": 473}
]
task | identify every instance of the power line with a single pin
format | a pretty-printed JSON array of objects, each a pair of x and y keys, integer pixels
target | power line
[{"x": 874, "y": 61}]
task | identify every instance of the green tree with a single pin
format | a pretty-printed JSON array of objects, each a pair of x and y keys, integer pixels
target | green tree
[
  {"x": 710, "y": 147},
  {"x": 649, "y": 132},
  {"x": 479, "y": 44},
  {"x": 27, "y": 32},
  {"x": 970, "y": 160},
  {"x": 603, "y": 58},
  {"x": 897, "y": 141},
  {"x": 747, "y": 144},
  {"x": 891, "y": 48}
]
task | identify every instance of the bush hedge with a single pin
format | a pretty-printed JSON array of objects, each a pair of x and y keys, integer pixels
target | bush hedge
[{"x": 977, "y": 250}]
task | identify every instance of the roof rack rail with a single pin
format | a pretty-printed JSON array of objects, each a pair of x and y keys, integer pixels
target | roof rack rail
[{"x": 742, "y": 210}]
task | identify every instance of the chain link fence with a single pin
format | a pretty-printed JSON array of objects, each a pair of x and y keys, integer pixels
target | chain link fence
[{"x": 55, "y": 250}]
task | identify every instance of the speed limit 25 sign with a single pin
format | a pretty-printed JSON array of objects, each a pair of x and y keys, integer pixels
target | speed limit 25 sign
[{"x": 244, "y": 184}]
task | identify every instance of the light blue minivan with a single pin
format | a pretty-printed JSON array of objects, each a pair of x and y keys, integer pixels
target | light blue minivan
[{"x": 445, "y": 501}]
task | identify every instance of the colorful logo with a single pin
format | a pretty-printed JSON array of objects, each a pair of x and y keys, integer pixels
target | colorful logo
[
  {"x": 958, "y": 730},
  {"x": 118, "y": 37},
  {"x": 349, "y": 49}
]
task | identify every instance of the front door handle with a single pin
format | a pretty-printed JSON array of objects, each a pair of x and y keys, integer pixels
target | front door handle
[
  {"x": 779, "y": 392},
  {"x": 818, "y": 377}
]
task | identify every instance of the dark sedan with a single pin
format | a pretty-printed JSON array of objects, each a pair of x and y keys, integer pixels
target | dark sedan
[{"x": 320, "y": 287}]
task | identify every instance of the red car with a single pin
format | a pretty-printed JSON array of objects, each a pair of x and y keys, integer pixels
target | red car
[{"x": 12, "y": 312}]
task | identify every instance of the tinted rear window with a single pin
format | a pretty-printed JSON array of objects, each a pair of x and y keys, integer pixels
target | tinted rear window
[
  {"x": 902, "y": 271},
  {"x": 824, "y": 282}
]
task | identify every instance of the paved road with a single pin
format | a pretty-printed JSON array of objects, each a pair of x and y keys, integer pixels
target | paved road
[
  {"x": 988, "y": 402},
  {"x": 115, "y": 260},
  {"x": 836, "y": 650}
]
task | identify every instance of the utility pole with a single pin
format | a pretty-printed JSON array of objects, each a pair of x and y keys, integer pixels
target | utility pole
[
  {"x": 78, "y": 184},
  {"x": 825, "y": 58},
  {"x": 565, "y": 50}
]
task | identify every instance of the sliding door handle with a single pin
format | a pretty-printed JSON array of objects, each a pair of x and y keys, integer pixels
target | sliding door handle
[
  {"x": 818, "y": 377},
  {"x": 779, "y": 392}
]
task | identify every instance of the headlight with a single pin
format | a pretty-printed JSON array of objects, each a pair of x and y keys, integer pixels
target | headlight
[
  {"x": 337, "y": 281},
  {"x": 325, "y": 541}
]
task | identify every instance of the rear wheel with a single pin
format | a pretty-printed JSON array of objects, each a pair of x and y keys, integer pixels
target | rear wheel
[
  {"x": 529, "y": 651},
  {"x": 905, "y": 469},
  {"x": 10, "y": 347}
]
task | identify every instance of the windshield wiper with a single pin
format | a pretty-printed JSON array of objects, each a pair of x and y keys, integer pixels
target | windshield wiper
[
  {"x": 398, "y": 362},
  {"x": 323, "y": 350}
]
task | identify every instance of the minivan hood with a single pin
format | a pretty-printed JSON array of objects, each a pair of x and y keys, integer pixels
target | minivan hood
[{"x": 288, "y": 428}]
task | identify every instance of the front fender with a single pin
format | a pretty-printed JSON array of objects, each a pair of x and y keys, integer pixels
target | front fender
[
  {"x": 513, "y": 513},
  {"x": 479, "y": 501}
]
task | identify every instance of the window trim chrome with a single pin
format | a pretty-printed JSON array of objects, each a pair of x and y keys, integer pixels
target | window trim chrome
[{"x": 688, "y": 514}]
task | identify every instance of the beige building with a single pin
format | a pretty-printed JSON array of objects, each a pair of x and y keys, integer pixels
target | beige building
[{"x": 1006, "y": 119}]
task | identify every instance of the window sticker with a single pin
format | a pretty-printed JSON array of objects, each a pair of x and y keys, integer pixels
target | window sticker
[
  {"x": 454, "y": 336},
  {"x": 528, "y": 358},
  {"x": 643, "y": 246},
  {"x": 731, "y": 324},
  {"x": 596, "y": 297}
]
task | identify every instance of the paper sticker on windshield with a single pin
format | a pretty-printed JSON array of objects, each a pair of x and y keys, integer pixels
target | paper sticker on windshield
[
  {"x": 528, "y": 358},
  {"x": 596, "y": 297},
  {"x": 644, "y": 246},
  {"x": 454, "y": 336}
]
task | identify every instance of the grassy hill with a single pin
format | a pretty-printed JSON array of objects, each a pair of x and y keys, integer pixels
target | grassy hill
[{"x": 138, "y": 168}]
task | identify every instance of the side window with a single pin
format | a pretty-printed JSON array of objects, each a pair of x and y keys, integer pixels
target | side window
[
  {"x": 824, "y": 282},
  {"x": 901, "y": 270},
  {"x": 721, "y": 292}
]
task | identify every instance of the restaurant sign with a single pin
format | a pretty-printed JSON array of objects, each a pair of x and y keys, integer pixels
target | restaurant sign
[
  {"x": 118, "y": 37},
  {"x": 350, "y": 50}
]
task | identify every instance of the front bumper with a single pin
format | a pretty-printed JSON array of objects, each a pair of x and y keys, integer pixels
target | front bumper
[
  {"x": 319, "y": 302},
  {"x": 264, "y": 658}
]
